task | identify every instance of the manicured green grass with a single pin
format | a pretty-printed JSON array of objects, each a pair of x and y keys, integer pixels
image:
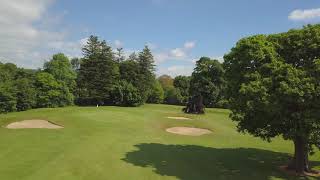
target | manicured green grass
[{"x": 131, "y": 144}]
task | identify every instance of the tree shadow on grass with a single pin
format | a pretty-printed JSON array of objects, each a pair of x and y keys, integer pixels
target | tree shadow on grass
[{"x": 190, "y": 162}]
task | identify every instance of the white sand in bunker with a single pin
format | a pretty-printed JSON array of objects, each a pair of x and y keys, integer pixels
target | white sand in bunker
[
  {"x": 179, "y": 118},
  {"x": 189, "y": 131},
  {"x": 33, "y": 124}
]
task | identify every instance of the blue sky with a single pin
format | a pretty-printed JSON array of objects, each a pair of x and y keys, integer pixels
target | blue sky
[{"x": 178, "y": 31}]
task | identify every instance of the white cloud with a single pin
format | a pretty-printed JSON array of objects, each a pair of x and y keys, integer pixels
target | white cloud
[
  {"x": 26, "y": 35},
  {"x": 118, "y": 44},
  {"x": 185, "y": 70},
  {"x": 189, "y": 45},
  {"x": 181, "y": 53},
  {"x": 177, "y": 53},
  {"x": 305, "y": 14},
  {"x": 177, "y": 70},
  {"x": 70, "y": 48},
  {"x": 14, "y": 11},
  {"x": 161, "y": 57}
]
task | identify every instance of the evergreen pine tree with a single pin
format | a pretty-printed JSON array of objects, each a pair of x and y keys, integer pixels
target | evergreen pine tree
[
  {"x": 98, "y": 73},
  {"x": 146, "y": 72}
]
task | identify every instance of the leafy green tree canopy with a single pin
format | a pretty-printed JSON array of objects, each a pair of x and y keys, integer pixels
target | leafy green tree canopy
[
  {"x": 157, "y": 93},
  {"x": 127, "y": 95},
  {"x": 166, "y": 81},
  {"x": 98, "y": 74},
  {"x": 207, "y": 80},
  {"x": 50, "y": 92},
  {"x": 61, "y": 69},
  {"x": 274, "y": 88},
  {"x": 146, "y": 72}
]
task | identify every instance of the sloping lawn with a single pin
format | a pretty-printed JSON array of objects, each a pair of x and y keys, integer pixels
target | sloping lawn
[{"x": 132, "y": 144}]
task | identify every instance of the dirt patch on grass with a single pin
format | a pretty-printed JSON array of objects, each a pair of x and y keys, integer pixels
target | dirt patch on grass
[
  {"x": 33, "y": 124},
  {"x": 313, "y": 173},
  {"x": 188, "y": 131},
  {"x": 179, "y": 118}
]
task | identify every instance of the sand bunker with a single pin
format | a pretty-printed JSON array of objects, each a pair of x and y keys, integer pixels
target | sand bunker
[
  {"x": 179, "y": 118},
  {"x": 33, "y": 124},
  {"x": 188, "y": 131}
]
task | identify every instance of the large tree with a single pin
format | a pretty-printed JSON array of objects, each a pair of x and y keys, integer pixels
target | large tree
[
  {"x": 274, "y": 89},
  {"x": 61, "y": 69},
  {"x": 146, "y": 72},
  {"x": 98, "y": 74},
  {"x": 207, "y": 80}
]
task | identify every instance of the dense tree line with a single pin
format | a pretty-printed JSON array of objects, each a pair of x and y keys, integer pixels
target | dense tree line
[
  {"x": 106, "y": 78},
  {"x": 100, "y": 77},
  {"x": 23, "y": 89}
]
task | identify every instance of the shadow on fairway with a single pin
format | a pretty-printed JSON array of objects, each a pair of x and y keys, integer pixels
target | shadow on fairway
[{"x": 189, "y": 162}]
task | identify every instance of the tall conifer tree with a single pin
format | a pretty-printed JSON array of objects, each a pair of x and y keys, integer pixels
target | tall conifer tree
[{"x": 98, "y": 74}]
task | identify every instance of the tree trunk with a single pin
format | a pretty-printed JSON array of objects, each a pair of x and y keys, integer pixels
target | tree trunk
[
  {"x": 300, "y": 161},
  {"x": 195, "y": 105}
]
